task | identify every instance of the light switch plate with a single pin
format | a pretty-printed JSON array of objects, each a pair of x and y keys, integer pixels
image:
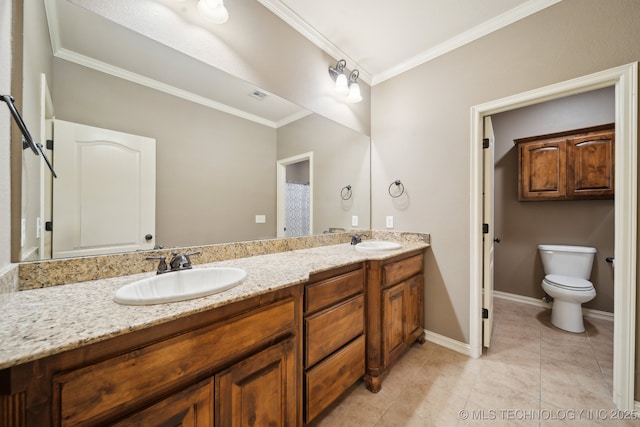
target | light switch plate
[
  {"x": 354, "y": 220},
  {"x": 261, "y": 219}
]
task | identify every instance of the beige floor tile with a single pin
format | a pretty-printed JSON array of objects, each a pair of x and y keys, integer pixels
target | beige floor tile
[
  {"x": 532, "y": 375},
  {"x": 498, "y": 378},
  {"x": 566, "y": 395}
]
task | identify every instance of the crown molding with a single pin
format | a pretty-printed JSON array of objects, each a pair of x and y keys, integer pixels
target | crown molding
[
  {"x": 103, "y": 67},
  {"x": 314, "y": 36},
  {"x": 487, "y": 27},
  {"x": 494, "y": 24}
]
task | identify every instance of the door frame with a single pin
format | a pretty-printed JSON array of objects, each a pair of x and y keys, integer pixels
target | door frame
[
  {"x": 281, "y": 176},
  {"x": 625, "y": 80}
]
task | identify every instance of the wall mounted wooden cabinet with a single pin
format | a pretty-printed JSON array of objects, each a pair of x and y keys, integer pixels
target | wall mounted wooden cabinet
[
  {"x": 571, "y": 165},
  {"x": 334, "y": 344},
  {"x": 395, "y": 312}
]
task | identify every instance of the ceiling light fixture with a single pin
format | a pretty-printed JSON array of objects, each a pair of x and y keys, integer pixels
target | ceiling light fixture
[
  {"x": 348, "y": 87},
  {"x": 214, "y": 10}
]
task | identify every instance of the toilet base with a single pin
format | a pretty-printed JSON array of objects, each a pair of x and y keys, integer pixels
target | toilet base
[{"x": 567, "y": 316}]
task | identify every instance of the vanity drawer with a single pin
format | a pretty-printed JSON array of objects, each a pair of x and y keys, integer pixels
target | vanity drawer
[
  {"x": 327, "y": 292},
  {"x": 400, "y": 270},
  {"x": 329, "y": 379},
  {"x": 97, "y": 392},
  {"x": 332, "y": 328}
]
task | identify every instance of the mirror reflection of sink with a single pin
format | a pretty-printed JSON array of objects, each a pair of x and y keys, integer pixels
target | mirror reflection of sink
[
  {"x": 377, "y": 246},
  {"x": 179, "y": 286}
]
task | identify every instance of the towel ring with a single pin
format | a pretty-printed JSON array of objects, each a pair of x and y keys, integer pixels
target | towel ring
[
  {"x": 399, "y": 185},
  {"x": 345, "y": 194}
]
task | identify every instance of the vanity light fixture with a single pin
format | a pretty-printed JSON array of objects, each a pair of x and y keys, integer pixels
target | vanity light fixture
[
  {"x": 214, "y": 10},
  {"x": 354, "y": 87},
  {"x": 348, "y": 87}
]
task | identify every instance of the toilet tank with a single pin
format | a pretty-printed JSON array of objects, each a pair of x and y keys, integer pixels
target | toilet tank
[{"x": 565, "y": 260}]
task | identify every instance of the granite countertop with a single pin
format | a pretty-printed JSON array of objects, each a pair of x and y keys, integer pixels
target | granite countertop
[{"x": 42, "y": 322}]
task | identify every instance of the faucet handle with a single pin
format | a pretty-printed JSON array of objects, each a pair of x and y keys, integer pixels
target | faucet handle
[
  {"x": 162, "y": 265},
  {"x": 187, "y": 263}
]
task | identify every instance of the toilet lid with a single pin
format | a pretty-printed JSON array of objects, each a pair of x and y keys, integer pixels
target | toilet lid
[{"x": 569, "y": 282}]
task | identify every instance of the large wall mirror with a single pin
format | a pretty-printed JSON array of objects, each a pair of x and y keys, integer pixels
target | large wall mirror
[{"x": 219, "y": 140}]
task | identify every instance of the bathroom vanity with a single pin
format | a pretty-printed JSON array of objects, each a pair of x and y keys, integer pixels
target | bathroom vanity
[{"x": 277, "y": 349}]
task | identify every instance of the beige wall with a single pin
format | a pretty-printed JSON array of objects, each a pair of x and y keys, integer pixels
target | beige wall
[
  {"x": 421, "y": 128},
  {"x": 340, "y": 157},
  {"x": 521, "y": 226},
  {"x": 214, "y": 171}
]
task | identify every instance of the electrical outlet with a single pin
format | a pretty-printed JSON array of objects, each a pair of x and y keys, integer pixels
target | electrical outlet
[
  {"x": 38, "y": 227},
  {"x": 389, "y": 221},
  {"x": 23, "y": 231},
  {"x": 261, "y": 219},
  {"x": 354, "y": 220}
]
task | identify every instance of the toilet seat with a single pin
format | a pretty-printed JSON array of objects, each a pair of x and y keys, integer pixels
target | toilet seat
[{"x": 567, "y": 282}]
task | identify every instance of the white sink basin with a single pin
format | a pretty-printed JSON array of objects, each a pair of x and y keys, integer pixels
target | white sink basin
[
  {"x": 377, "y": 246},
  {"x": 179, "y": 285}
]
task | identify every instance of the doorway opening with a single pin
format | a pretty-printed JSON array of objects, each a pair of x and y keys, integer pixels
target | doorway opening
[
  {"x": 295, "y": 196},
  {"x": 624, "y": 79}
]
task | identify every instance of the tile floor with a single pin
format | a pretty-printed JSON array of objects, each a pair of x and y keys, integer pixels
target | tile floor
[{"x": 533, "y": 375}]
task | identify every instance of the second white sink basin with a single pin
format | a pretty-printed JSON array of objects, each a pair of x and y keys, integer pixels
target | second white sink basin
[
  {"x": 179, "y": 286},
  {"x": 377, "y": 245}
]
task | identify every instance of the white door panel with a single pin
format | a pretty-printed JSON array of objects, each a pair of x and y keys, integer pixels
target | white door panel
[
  {"x": 104, "y": 196},
  {"x": 488, "y": 245}
]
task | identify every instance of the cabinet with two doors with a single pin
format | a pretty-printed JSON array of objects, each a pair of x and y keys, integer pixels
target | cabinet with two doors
[
  {"x": 572, "y": 165},
  {"x": 395, "y": 312}
]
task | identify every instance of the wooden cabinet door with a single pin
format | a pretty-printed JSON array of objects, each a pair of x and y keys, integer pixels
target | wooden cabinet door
[
  {"x": 415, "y": 307},
  {"x": 591, "y": 165},
  {"x": 542, "y": 170},
  {"x": 192, "y": 407},
  {"x": 260, "y": 390},
  {"x": 394, "y": 300}
]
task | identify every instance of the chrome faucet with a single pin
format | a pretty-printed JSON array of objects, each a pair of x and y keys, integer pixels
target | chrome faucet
[
  {"x": 181, "y": 261},
  {"x": 357, "y": 238},
  {"x": 178, "y": 262}
]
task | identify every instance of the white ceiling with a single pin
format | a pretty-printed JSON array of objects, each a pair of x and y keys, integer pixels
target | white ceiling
[{"x": 383, "y": 38}]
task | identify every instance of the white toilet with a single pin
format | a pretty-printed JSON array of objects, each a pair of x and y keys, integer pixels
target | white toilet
[{"x": 567, "y": 270}]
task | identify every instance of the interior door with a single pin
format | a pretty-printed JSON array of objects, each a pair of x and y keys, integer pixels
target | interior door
[
  {"x": 489, "y": 236},
  {"x": 104, "y": 196}
]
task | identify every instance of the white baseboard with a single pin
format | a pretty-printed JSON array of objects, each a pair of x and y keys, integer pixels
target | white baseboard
[
  {"x": 447, "y": 342},
  {"x": 587, "y": 312},
  {"x": 636, "y": 406}
]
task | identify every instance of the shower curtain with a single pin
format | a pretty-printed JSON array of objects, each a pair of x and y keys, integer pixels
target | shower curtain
[{"x": 297, "y": 209}]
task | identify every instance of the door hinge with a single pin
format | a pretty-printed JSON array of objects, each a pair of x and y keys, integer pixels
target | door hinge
[
  {"x": 485, "y": 228},
  {"x": 485, "y": 142},
  {"x": 48, "y": 226},
  {"x": 49, "y": 144},
  {"x": 485, "y": 313}
]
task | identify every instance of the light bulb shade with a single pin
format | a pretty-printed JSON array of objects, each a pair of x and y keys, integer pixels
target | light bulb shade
[
  {"x": 354, "y": 93},
  {"x": 342, "y": 85},
  {"x": 214, "y": 10}
]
